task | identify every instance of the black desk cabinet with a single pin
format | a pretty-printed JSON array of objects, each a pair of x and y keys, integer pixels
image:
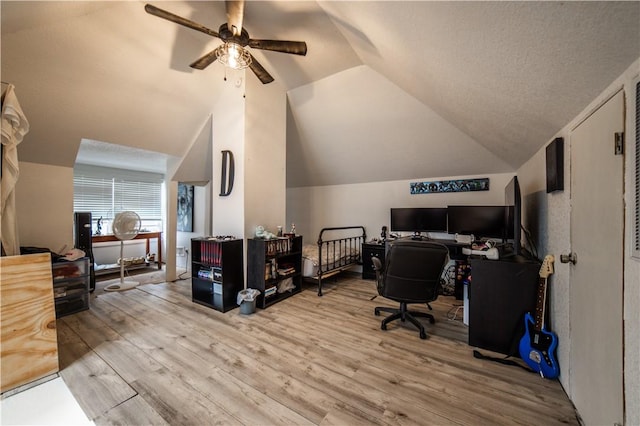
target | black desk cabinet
[
  {"x": 217, "y": 272},
  {"x": 370, "y": 250},
  {"x": 500, "y": 294}
]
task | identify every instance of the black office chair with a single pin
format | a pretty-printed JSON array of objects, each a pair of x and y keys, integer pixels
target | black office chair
[{"x": 411, "y": 274}]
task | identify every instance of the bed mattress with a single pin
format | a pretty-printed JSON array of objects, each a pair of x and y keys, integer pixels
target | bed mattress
[{"x": 311, "y": 261}]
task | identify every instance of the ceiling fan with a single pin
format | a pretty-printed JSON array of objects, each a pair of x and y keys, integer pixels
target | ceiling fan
[{"x": 233, "y": 52}]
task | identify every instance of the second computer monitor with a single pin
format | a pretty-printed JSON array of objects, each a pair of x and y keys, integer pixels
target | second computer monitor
[
  {"x": 480, "y": 221},
  {"x": 419, "y": 219}
]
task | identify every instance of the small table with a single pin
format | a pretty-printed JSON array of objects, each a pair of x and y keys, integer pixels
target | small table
[
  {"x": 141, "y": 236},
  {"x": 370, "y": 250}
]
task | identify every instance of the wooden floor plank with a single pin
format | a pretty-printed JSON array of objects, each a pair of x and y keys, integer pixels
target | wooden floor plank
[
  {"x": 95, "y": 385},
  {"x": 194, "y": 368},
  {"x": 280, "y": 362},
  {"x": 179, "y": 403},
  {"x": 133, "y": 411},
  {"x": 305, "y": 360}
]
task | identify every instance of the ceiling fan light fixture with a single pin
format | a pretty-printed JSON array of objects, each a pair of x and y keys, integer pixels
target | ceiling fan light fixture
[
  {"x": 234, "y": 52},
  {"x": 233, "y": 55}
]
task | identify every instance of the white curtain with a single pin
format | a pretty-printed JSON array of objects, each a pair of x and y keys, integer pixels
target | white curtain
[{"x": 14, "y": 127}]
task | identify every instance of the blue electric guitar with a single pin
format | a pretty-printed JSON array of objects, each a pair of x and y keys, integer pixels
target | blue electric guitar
[{"x": 538, "y": 345}]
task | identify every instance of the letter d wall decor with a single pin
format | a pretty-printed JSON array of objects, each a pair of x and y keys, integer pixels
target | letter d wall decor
[{"x": 226, "y": 176}]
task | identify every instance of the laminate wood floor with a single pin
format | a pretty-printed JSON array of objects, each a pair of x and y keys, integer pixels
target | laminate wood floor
[{"x": 151, "y": 356}]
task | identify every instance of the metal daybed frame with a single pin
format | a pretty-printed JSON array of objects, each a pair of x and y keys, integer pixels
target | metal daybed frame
[{"x": 338, "y": 254}]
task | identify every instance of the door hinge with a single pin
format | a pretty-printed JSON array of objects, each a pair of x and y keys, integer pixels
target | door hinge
[{"x": 619, "y": 143}]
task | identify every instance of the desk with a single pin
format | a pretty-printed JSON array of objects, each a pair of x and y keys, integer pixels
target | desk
[
  {"x": 455, "y": 248},
  {"x": 141, "y": 236},
  {"x": 501, "y": 292}
]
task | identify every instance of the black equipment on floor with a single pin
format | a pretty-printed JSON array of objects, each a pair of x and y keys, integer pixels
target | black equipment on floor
[{"x": 82, "y": 233}]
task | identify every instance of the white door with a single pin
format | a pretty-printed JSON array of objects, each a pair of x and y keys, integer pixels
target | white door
[{"x": 597, "y": 226}]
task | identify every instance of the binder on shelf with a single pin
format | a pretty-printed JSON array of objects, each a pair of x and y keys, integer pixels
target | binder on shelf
[
  {"x": 270, "y": 291},
  {"x": 211, "y": 253}
]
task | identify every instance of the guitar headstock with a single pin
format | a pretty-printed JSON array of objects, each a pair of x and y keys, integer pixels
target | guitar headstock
[{"x": 547, "y": 266}]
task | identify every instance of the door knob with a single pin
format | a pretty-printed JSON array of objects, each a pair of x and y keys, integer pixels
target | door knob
[{"x": 569, "y": 258}]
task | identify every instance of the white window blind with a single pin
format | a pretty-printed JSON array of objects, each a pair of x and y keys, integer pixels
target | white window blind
[{"x": 106, "y": 191}]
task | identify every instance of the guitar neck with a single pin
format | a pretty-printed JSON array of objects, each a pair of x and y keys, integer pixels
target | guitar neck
[{"x": 540, "y": 303}]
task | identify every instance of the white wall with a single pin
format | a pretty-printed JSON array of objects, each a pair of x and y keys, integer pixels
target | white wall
[
  {"x": 359, "y": 114},
  {"x": 368, "y": 204},
  {"x": 227, "y": 213},
  {"x": 44, "y": 206},
  {"x": 546, "y": 216},
  {"x": 265, "y": 155},
  {"x": 550, "y": 213},
  {"x": 194, "y": 168}
]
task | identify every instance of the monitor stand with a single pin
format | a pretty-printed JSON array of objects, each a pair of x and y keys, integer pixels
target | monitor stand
[{"x": 417, "y": 236}]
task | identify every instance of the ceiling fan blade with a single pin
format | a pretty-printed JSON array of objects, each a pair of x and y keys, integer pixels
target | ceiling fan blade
[
  {"x": 294, "y": 47},
  {"x": 204, "y": 61},
  {"x": 235, "y": 15},
  {"x": 179, "y": 20},
  {"x": 260, "y": 72}
]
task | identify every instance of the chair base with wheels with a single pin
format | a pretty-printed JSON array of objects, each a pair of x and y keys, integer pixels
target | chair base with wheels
[{"x": 404, "y": 314}]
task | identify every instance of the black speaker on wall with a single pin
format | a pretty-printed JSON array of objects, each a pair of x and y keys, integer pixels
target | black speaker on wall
[
  {"x": 82, "y": 233},
  {"x": 555, "y": 165}
]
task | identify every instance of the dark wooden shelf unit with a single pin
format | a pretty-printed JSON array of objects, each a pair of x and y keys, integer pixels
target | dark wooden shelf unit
[
  {"x": 217, "y": 270},
  {"x": 265, "y": 258}
]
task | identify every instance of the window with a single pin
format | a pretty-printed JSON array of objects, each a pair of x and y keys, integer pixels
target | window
[{"x": 107, "y": 191}]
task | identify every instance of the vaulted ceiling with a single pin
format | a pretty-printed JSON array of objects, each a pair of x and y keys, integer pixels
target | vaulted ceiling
[{"x": 405, "y": 86}]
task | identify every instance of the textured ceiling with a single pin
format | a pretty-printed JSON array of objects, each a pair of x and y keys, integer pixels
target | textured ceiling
[
  {"x": 509, "y": 74},
  {"x": 504, "y": 75}
]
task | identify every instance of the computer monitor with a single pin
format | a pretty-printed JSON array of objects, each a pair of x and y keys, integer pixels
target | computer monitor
[
  {"x": 513, "y": 199},
  {"x": 419, "y": 219},
  {"x": 479, "y": 221}
]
